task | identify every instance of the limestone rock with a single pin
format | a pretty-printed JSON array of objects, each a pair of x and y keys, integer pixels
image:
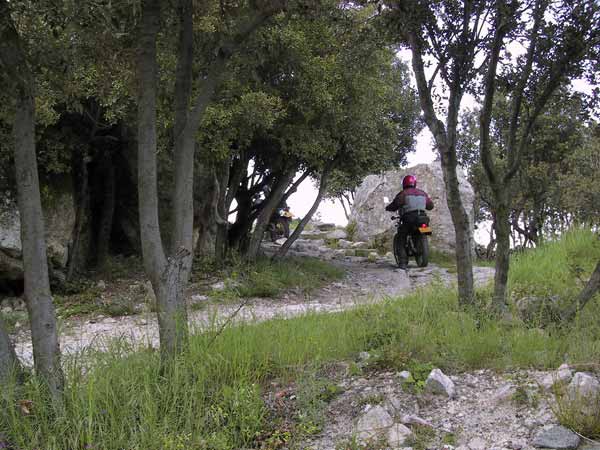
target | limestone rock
[
  {"x": 373, "y": 221},
  {"x": 218, "y": 286},
  {"x": 584, "y": 385},
  {"x": 584, "y": 393},
  {"x": 325, "y": 226},
  {"x": 415, "y": 420},
  {"x": 563, "y": 375},
  {"x": 556, "y": 436},
  {"x": 504, "y": 393},
  {"x": 404, "y": 376},
  {"x": 373, "y": 423},
  {"x": 59, "y": 220},
  {"x": 344, "y": 244},
  {"x": 440, "y": 384},
  {"x": 337, "y": 234},
  {"x": 399, "y": 435}
]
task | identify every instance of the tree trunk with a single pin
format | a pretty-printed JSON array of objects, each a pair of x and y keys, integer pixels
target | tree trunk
[
  {"x": 288, "y": 243},
  {"x": 182, "y": 198},
  {"x": 42, "y": 316},
  {"x": 589, "y": 291},
  {"x": 223, "y": 205},
  {"x": 462, "y": 227},
  {"x": 204, "y": 215},
  {"x": 346, "y": 214},
  {"x": 502, "y": 227},
  {"x": 9, "y": 364},
  {"x": 82, "y": 203},
  {"x": 164, "y": 274},
  {"x": 108, "y": 210},
  {"x": 44, "y": 336},
  {"x": 264, "y": 217},
  {"x": 445, "y": 139}
]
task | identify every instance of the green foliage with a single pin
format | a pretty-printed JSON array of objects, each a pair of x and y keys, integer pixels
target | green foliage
[
  {"x": 14, "y": 320},
  {"x": 419, "y": 371},
  {"x": 579, "y": 413},
  {"x": 123, "y": 399},
  {"x": 424, "y": 436},
  {"x": 269, "y": 279},
  {"x": 371, "y": 399},
  {"x": 351, "y": 229},
  {"x": 445, "y": 260},
  {"x": 91, "y": 302},
  {"x": 555, "y": 184},
  {"x": 313, "y": 395},
  {"x": 557, "y": 267}
]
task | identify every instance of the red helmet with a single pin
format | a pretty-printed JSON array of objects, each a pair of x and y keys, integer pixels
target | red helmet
[{"x": 409, "y": 181}]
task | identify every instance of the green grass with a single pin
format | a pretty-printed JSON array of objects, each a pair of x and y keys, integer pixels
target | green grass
[
  {"x": 559, "y": 267},
  {"x": 445, "y": 260},
  {"x": 266, "y": 278},
  {"x": 211, "y": 397},
  {"x": 91, "y": 302}
]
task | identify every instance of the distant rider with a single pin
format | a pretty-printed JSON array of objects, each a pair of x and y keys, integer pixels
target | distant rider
[{"x": 410, "y": 203}]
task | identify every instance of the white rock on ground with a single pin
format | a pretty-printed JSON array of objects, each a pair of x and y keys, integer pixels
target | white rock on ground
[
  {"x": 415, "y": 420},
  {"x": 399, "y": 435},
  {"x": 556, "y": 436},
  {"x": 584, "y": 393},
  {"x": 504, "y": 393},
  {"x": 584, "y": 385},
  {"x": 326, "y": 226},
  {"x": 404, "y": 375},
  {"x": 440, "y": 384},
  {"x": 337, "y": 234},
  {"x": 563, "y": 375},
  {"x": 373, "y": 423},
  {"x": 343, "y": 243}
]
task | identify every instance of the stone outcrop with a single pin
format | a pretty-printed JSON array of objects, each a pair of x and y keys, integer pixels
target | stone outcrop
[
  {"x": 373, "y": 221},
  {"x": 59, "y": 220}
]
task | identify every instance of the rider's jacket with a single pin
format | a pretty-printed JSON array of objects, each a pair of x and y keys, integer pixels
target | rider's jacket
[{"x": 409, "y": 200}]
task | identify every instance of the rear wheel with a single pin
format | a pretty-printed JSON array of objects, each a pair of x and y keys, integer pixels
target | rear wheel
[{"x": 421, "y": 250}]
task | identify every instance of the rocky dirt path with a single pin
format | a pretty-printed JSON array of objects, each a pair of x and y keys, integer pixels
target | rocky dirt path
[
  {"x": 365, "y": 282},
  {"x": 487, "y": 411}
]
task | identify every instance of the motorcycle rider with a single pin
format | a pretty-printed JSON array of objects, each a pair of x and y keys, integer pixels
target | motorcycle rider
[{"x": 411, "y": 203}]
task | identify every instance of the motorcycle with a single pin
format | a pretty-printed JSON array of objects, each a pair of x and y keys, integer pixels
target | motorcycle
[
  {"x": 280, "y": 225},
  {"x": 417, "y": 244}
]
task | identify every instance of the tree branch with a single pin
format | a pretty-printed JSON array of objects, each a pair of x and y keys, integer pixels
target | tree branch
[{"x": 517, "y": 100}]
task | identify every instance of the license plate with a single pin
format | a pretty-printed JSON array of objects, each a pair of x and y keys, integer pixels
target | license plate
[{"x": 424, "y": 230}]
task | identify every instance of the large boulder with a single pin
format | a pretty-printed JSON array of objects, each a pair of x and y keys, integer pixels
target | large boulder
[
  {"x": 59, "y": 220},
  {"x": 373, "y": 221}
]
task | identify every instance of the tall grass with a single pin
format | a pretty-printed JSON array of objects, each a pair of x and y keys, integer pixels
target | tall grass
[
  {"x": 210, "y": 398},
  {"x": 267, "y": 278},
  {"x": 556, "y": 267}
]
